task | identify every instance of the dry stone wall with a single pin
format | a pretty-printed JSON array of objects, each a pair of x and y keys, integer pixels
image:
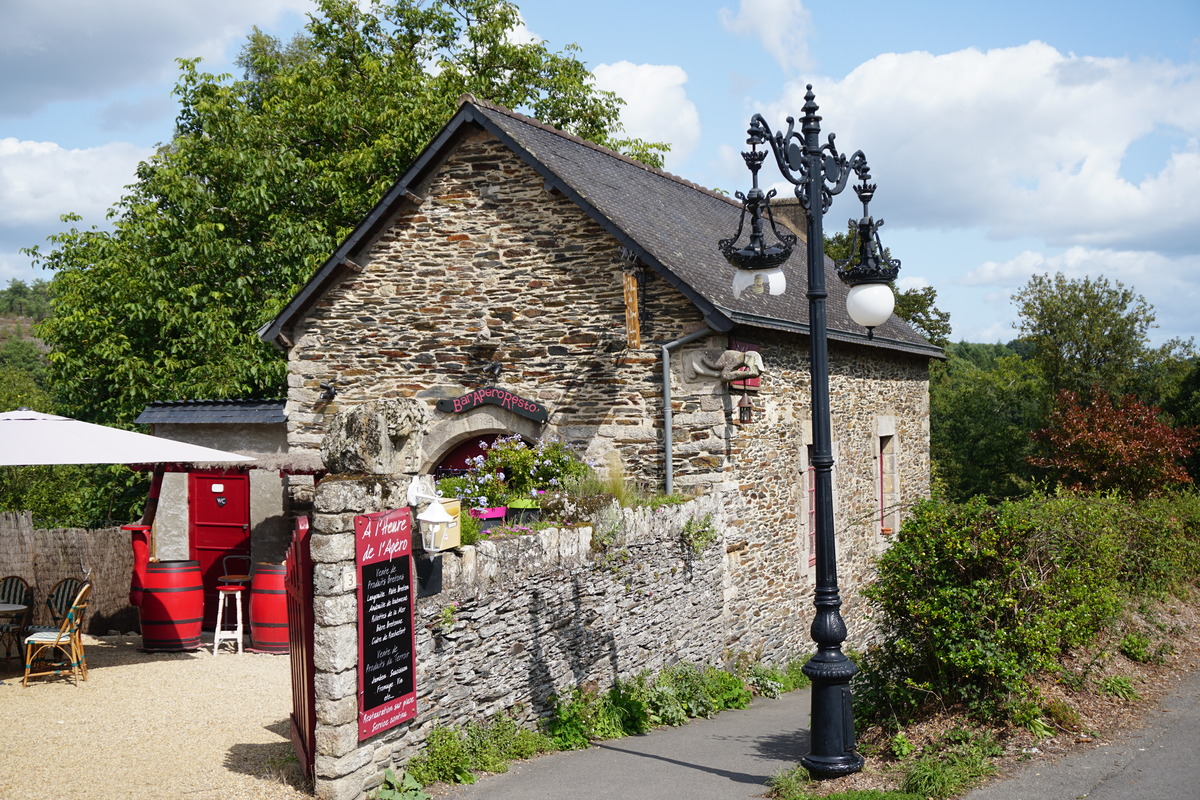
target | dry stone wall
[{"x": 533, "y": 616}]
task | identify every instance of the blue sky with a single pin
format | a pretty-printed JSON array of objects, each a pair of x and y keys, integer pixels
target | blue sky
[{"x": 1007, "y": 139}]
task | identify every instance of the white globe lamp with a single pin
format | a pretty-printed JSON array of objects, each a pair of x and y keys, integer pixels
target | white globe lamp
[{"x": 870, "y": 304}]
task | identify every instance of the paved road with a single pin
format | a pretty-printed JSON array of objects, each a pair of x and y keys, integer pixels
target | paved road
[
  {"x": 731, "y": 757},
  {"x": 1160, "y": 761}
]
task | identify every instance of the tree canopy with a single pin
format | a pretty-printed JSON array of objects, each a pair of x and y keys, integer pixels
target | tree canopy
[
  {"x": 1089, "y": 332},
  {"x": 263, "y": 178}
]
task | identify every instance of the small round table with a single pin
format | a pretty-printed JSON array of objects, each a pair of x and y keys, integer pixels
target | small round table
[{"x": 10, "y": 613}]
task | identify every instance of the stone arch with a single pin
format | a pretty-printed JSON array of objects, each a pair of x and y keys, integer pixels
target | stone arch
[{"x": 448, "y": 430}]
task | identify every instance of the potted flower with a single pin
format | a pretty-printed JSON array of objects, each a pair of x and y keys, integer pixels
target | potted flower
[{"x": 506, "y": 480}]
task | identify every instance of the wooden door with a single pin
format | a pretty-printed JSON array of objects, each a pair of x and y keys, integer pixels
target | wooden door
[{"x": 219, "y": 526}]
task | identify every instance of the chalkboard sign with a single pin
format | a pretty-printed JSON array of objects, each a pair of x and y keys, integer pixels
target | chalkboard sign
[{"x": 387, "y": 681}]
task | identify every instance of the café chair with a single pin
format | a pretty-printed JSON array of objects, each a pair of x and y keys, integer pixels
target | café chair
[
  {"x": 15, "y": 590},
  {"x": 235, "y": 574},
  {"x": 59, "y": 602},
  {"x": 59, "y": 652}
]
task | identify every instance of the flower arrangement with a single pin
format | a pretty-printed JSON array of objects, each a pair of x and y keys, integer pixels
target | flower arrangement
[{"x": 510, "y": 469}]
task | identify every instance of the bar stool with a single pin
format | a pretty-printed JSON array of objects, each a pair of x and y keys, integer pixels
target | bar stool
[{"x": 224, "y": 633}]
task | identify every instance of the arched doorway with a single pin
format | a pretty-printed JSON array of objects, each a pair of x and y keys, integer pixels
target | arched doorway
[{"x": 458, "y": 460}]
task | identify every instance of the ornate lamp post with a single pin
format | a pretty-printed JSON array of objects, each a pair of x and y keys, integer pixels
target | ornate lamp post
[{"x": 818, "y": 172}]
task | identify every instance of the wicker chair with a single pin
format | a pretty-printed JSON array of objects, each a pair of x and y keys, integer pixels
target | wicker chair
[
  {"x": 59, "y": 603},
  {"x": 15, "y": 589},
  {"x": 59, "y": 652}
]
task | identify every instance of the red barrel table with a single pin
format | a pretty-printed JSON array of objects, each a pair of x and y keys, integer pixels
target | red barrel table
[
  {"x": 268, "y": 609},
  {"x": 172, "y": 606}
]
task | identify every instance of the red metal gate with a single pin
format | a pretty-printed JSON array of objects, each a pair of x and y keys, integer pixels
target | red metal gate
[{"x": 300, "y": 640}]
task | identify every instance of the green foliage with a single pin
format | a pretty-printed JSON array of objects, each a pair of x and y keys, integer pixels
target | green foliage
[
  {"x": 407, "y": 788},
  {"x": 983, "y": 403},
  {"x": 453, "y": 756},
  {"x": 697, "y": 534},
  {"x": 1138, "y": 646},
  {"x": 900, "y": 746},
  {"x": 1118, "y": 686},
  {"x": 952, "y": 764},
  {"x": 678, "y": 693},
  {"x": 914, "y": 306},
  {"x": 265, "y": 176},
  {"x": 22, "y": 299},
  {"x": 795, "y": 784},
  {"x": 444, "y": 759},
  {"x": 972, "y": 599},
  {"x": 1088, "y": 332},
  {"x": 511, "y": 469}
]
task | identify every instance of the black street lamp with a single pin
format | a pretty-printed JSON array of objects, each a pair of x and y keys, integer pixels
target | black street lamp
[{"x": 818, "y": 172}]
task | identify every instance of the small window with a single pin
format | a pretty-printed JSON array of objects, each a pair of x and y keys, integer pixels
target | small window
[{"x": 888, "y": 486}]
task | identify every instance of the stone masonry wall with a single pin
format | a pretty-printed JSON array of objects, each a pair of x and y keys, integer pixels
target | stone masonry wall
[
  {"x": 535, "y": 615},
  {"x": 772, "y": 581}
]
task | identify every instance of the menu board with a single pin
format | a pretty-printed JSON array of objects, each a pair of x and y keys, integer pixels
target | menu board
[{"x": 387, "y": 681}]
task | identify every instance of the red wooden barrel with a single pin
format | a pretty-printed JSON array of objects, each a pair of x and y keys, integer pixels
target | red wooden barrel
[
  {"x": 268, "y": 609},
  {"x": 172, "y": 606}
]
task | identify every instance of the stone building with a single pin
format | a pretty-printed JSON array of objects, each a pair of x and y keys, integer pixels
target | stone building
[
  {"x": 516, "y": 268},
  {"x": 515, "y": 256}
]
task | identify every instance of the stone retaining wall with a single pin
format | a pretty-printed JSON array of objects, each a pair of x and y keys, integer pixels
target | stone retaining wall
[{"x": 534, "y": 616}]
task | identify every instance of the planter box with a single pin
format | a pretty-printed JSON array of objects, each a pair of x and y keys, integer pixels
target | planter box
[
  {"x": 489, "y": 517},
  {"x": 523, "y": 511}
]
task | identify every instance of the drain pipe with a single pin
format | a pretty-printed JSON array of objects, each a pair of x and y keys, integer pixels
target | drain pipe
[{"x": 668, "y": 415}]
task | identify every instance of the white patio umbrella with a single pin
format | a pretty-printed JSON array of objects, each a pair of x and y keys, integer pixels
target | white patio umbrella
[{"x": 29, "y": 437}]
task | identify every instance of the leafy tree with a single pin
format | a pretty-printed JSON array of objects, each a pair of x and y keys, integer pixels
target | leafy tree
[
  {"x": 914, "y": 306},
  {"x": 1106, "y": 445},
  {"x": 24, "y": 356},
  {"x": 1184, "y": 408},
  {"x": 1089, "y": 332},
  {"x": 26, "y": 299},
  {"x": 264, "y": 176},
  {"x": 983, "y": 404}
]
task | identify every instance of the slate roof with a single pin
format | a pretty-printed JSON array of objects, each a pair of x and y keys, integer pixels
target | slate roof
[
  {"x": 671, "y": 224},
  {"x": 194, "y": 412}
]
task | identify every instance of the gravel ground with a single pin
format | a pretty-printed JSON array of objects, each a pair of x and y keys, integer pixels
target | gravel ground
[{"x": 151, "y": 725}]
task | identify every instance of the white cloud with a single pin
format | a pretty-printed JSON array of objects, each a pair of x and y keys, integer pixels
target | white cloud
[
  {"x": 656, "y": 104},
  {"x": 781, "y": 26},
  {"x": 1170, "y": 284},
  {"x": 76, "y": 49},
  {"x": 1022, "y": 141},
  {"x": 39, "y": 181}
]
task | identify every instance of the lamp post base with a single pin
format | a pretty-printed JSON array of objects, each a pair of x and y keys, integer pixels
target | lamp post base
[
  {"x": 833, "y": 752},
  {"x": 823, "y": 768}
]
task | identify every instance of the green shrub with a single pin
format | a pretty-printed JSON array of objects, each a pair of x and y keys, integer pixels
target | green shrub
[
  {"x": 452, "y": 756},
  {"x": 971, "y": 599}
]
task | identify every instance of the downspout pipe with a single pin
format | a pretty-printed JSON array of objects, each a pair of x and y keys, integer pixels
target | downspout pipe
[{"x": 668, "y": 415}]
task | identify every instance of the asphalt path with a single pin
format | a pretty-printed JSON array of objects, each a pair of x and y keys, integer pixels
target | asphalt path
[
  {"x": 1158, "y": 761},
  {"x": 731, "y": 757}
]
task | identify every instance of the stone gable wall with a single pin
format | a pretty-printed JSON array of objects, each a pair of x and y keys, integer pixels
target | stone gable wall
[{"x": 471, "y": 276}]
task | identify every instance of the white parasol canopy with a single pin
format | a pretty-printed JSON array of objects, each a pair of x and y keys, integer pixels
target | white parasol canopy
[{"x": 29, "y": 437}]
